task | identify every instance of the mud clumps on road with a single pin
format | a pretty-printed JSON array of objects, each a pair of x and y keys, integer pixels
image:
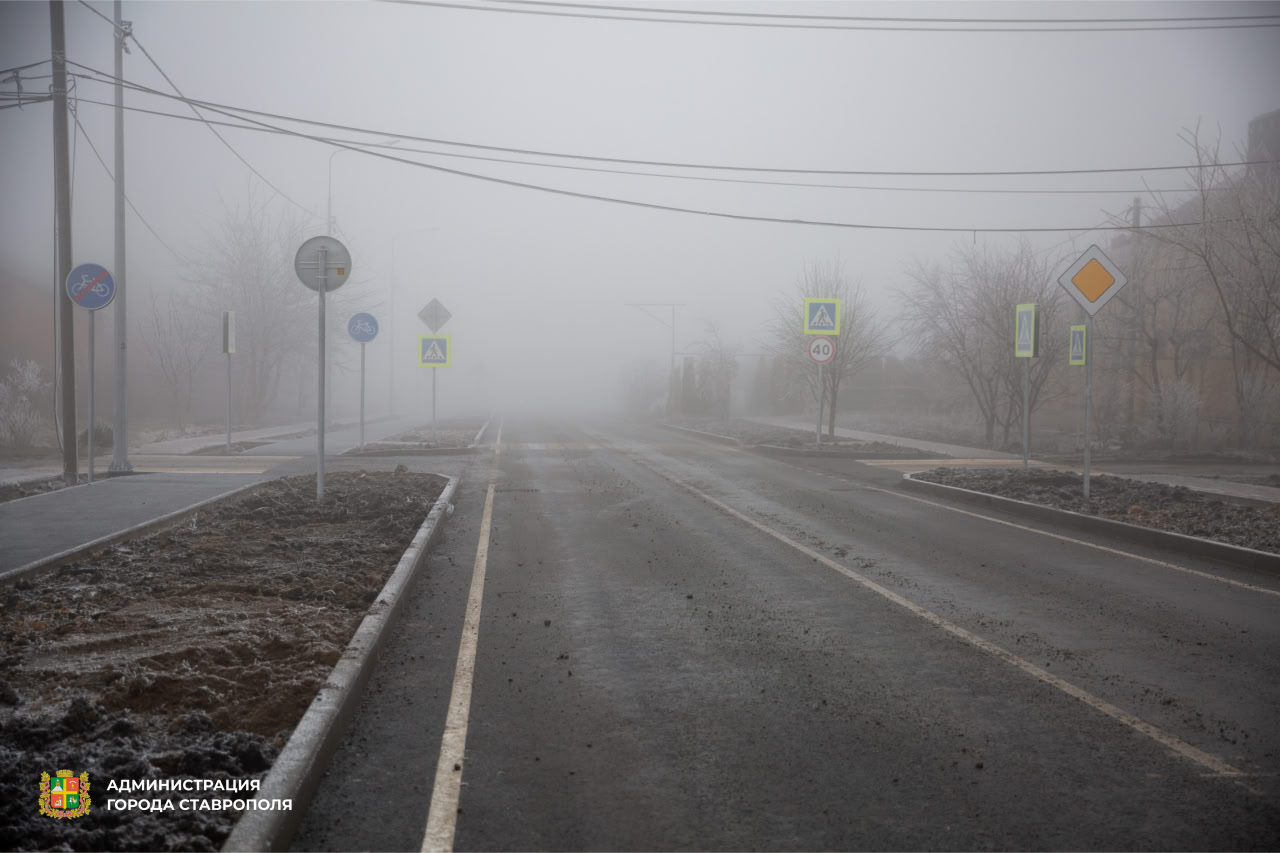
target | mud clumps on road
[
  {"x": 1173, "y": 508},
  {"x": 191, "y": 653}
]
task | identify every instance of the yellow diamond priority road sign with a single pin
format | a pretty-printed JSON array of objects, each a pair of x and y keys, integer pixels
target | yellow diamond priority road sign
[{"x": 1092, "y": 280}]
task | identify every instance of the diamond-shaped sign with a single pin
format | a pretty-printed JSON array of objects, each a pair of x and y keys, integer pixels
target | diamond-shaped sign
[
  {"x": 1092, "y": 280},
  {"x": 434, "y": 315}
]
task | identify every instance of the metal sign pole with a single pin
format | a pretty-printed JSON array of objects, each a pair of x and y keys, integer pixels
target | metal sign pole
[
  {"x": 1026, "y": 415},
  {"x": 1088, "y": 398},
  {"x": 91, "y": 353},
  {"x": 822, "y": 398},
  {"x": 228, "y": 402},
  {"x": 362, "y": 394},
  {"x": 433, "y": 403},
  {"x": 324, "y": 270}
]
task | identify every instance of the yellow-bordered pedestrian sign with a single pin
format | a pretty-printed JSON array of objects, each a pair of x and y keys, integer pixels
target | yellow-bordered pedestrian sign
[
  {"x": 822, "y": 316},
  {"x": 1079, "y": 341},
  {"x": 1025, "y": 342},
  {"x": 434, "y": 351}
]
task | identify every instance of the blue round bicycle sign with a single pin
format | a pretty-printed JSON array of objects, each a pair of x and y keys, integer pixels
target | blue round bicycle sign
[
  {"x": 363, "y": 327},
  {"x": 91, "y": 286}
]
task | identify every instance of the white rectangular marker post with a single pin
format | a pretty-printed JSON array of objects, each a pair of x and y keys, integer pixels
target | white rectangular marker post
[{"x": 1026, "y": 345}]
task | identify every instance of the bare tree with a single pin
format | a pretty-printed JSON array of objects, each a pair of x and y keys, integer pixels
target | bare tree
[
  {"x": 717, "y": 366},
  {"x": 178, "y": 340},
  {"x": 248, "y": 268},
  {"x": 863, "y": 337},
  {"x": 963, "y": 318},
  {"x": 1232, "y": 242}
]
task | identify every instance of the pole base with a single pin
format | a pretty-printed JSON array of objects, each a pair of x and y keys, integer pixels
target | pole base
[{"x": 124, "y": 467}]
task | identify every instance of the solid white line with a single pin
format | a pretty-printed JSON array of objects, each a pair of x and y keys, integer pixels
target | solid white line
[
  {"x": 1212, "y": 763},
  {"x": 442, "y": 818},
  {"x": 1117, "y": 551}
]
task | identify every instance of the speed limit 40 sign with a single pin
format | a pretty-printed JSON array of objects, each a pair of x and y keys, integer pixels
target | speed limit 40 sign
[{"x": 821, "y": 350}]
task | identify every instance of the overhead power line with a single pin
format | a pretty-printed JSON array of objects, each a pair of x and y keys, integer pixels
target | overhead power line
[
  {"x": 192, "y": 107},
  {"x": 241, "y": 112},
  {"x": 665, "y": 175},
  {"x": 368, "y": 152},
  {"x": 129, "y": 201},
  {"x": 930, "y": 20},
  {"x": 865, "y": 27}
]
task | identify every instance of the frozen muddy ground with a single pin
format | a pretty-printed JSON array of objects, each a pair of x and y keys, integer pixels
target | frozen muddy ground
[
  {"x": 1173, "y": 508},
  {"x": 189, "y": 653}
]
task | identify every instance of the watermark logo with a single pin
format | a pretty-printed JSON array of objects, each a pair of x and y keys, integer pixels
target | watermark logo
[{"x": 64, "y": 795}]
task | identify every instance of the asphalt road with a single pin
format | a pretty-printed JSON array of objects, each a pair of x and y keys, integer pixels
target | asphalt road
[{"x": 682, "y": 645}]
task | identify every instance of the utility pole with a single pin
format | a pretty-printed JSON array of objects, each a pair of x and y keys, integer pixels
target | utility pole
[
  {"x": 671, "y": 375},
  {"x": 62, "y": 206},
  {"x": 120, "y": 425},
  {"x": 1131, "y": 344}
]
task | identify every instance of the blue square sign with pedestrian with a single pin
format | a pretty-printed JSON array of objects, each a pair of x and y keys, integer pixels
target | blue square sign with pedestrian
[
  {"x": 433, "y": 351},
  {"x": 822, "y": 316}
]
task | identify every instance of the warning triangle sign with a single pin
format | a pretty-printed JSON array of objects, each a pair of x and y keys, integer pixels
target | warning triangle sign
[
  {"x": 822, "y": 319},
  {"x": 433, "y": 353}
]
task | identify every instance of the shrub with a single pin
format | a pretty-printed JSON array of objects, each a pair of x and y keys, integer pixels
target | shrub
[
  {"x": 20, "y": 418},
  {"x": 102, "y": 437}
]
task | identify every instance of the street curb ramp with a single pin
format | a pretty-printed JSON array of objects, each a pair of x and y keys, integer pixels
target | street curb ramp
[
  {"x": 1232, "y": 555},
  {"x": 296, "y": 773}
]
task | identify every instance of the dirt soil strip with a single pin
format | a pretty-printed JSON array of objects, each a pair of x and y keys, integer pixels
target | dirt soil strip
[
  {"x": 1255, "y": 526},
  {"x": 297, "y": 772},
  {"x": 192, "y": 653}
]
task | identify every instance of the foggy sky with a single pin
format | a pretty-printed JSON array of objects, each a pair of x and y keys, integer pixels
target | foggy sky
[{"x": 538, "y": 283}]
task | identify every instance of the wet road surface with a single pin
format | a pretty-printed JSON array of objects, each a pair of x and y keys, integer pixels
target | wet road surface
[{"x": 684, "y": 645}]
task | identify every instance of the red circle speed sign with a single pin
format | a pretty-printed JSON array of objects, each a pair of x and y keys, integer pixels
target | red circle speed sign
[{"x": 821, "y": 350}]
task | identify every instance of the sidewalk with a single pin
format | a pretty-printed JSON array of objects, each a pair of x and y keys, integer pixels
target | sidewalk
[
  {"x": 180, "y": 446},
  {"x": 43, "y": 525},
  {"x": 957, "y": 450},
  {"x": 1226, "y": 488}
]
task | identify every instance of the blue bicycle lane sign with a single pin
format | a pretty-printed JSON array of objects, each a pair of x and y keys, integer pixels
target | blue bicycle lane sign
[
  {"x": 91, "y": 286},
  {"x": 363, "y": 327}
]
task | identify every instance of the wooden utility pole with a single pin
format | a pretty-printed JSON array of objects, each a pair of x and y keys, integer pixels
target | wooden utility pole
[{"x": 62, "y": 207}]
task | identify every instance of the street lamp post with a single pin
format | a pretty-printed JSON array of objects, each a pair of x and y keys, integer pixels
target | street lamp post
[
  {"x": 329, "y": 229},
  {"x": 394, "y": 286},
  {"x": 671, "y": 377}
]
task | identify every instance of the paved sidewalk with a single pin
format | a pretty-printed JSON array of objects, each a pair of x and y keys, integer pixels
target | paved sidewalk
[
  {"x": 43, "y": 525},
  {"x": 957, "y": 450},
  {"x": 1226, "y": 488}
]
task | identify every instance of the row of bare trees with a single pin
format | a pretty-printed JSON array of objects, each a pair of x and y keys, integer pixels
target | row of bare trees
[{"x": 246, "y": 267}]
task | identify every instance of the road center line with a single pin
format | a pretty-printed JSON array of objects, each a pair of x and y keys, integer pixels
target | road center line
[
  {"x": 1117, "y": 551},
  {"x": 1213, "y": 764},
  {"x": 442, "y": 818}
]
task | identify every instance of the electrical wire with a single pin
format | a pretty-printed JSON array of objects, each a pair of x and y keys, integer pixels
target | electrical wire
[
  {"x": 675, "y": 208},
  {"x": 131, "y": 35},
  {"x": 242, "y": 112},
  {"x": 594, "y": 169},
  {"x": 128, "y": 201},
  {"x": 645, "y": 10},
  {"x": 469, "y": 7}
]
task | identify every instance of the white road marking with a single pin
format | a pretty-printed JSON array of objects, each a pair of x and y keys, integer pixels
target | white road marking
[
  {"x": 1213, "y": 764},
  {"x": 1117, "y": 551},
  {"x": 442, "y": 818}
]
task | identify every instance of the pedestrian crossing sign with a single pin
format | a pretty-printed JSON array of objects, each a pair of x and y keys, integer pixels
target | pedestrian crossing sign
[
  {"x": 1025, "y": 344},
  {"x": 434, "y": 351},
  {"x": 822, "y": 316},
  {"x": 1077, "y": 345}
]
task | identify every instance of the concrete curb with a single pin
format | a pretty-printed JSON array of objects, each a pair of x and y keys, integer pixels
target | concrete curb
[
  {"x": 406, "y": 449},
  {"x": 1233, "y": 555},
  {"x": 708, "y": 436},
  {"x": 296, "y": 773},
  {"x": 103, "y": 542},
  {"x": 775, "y": 450}
]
